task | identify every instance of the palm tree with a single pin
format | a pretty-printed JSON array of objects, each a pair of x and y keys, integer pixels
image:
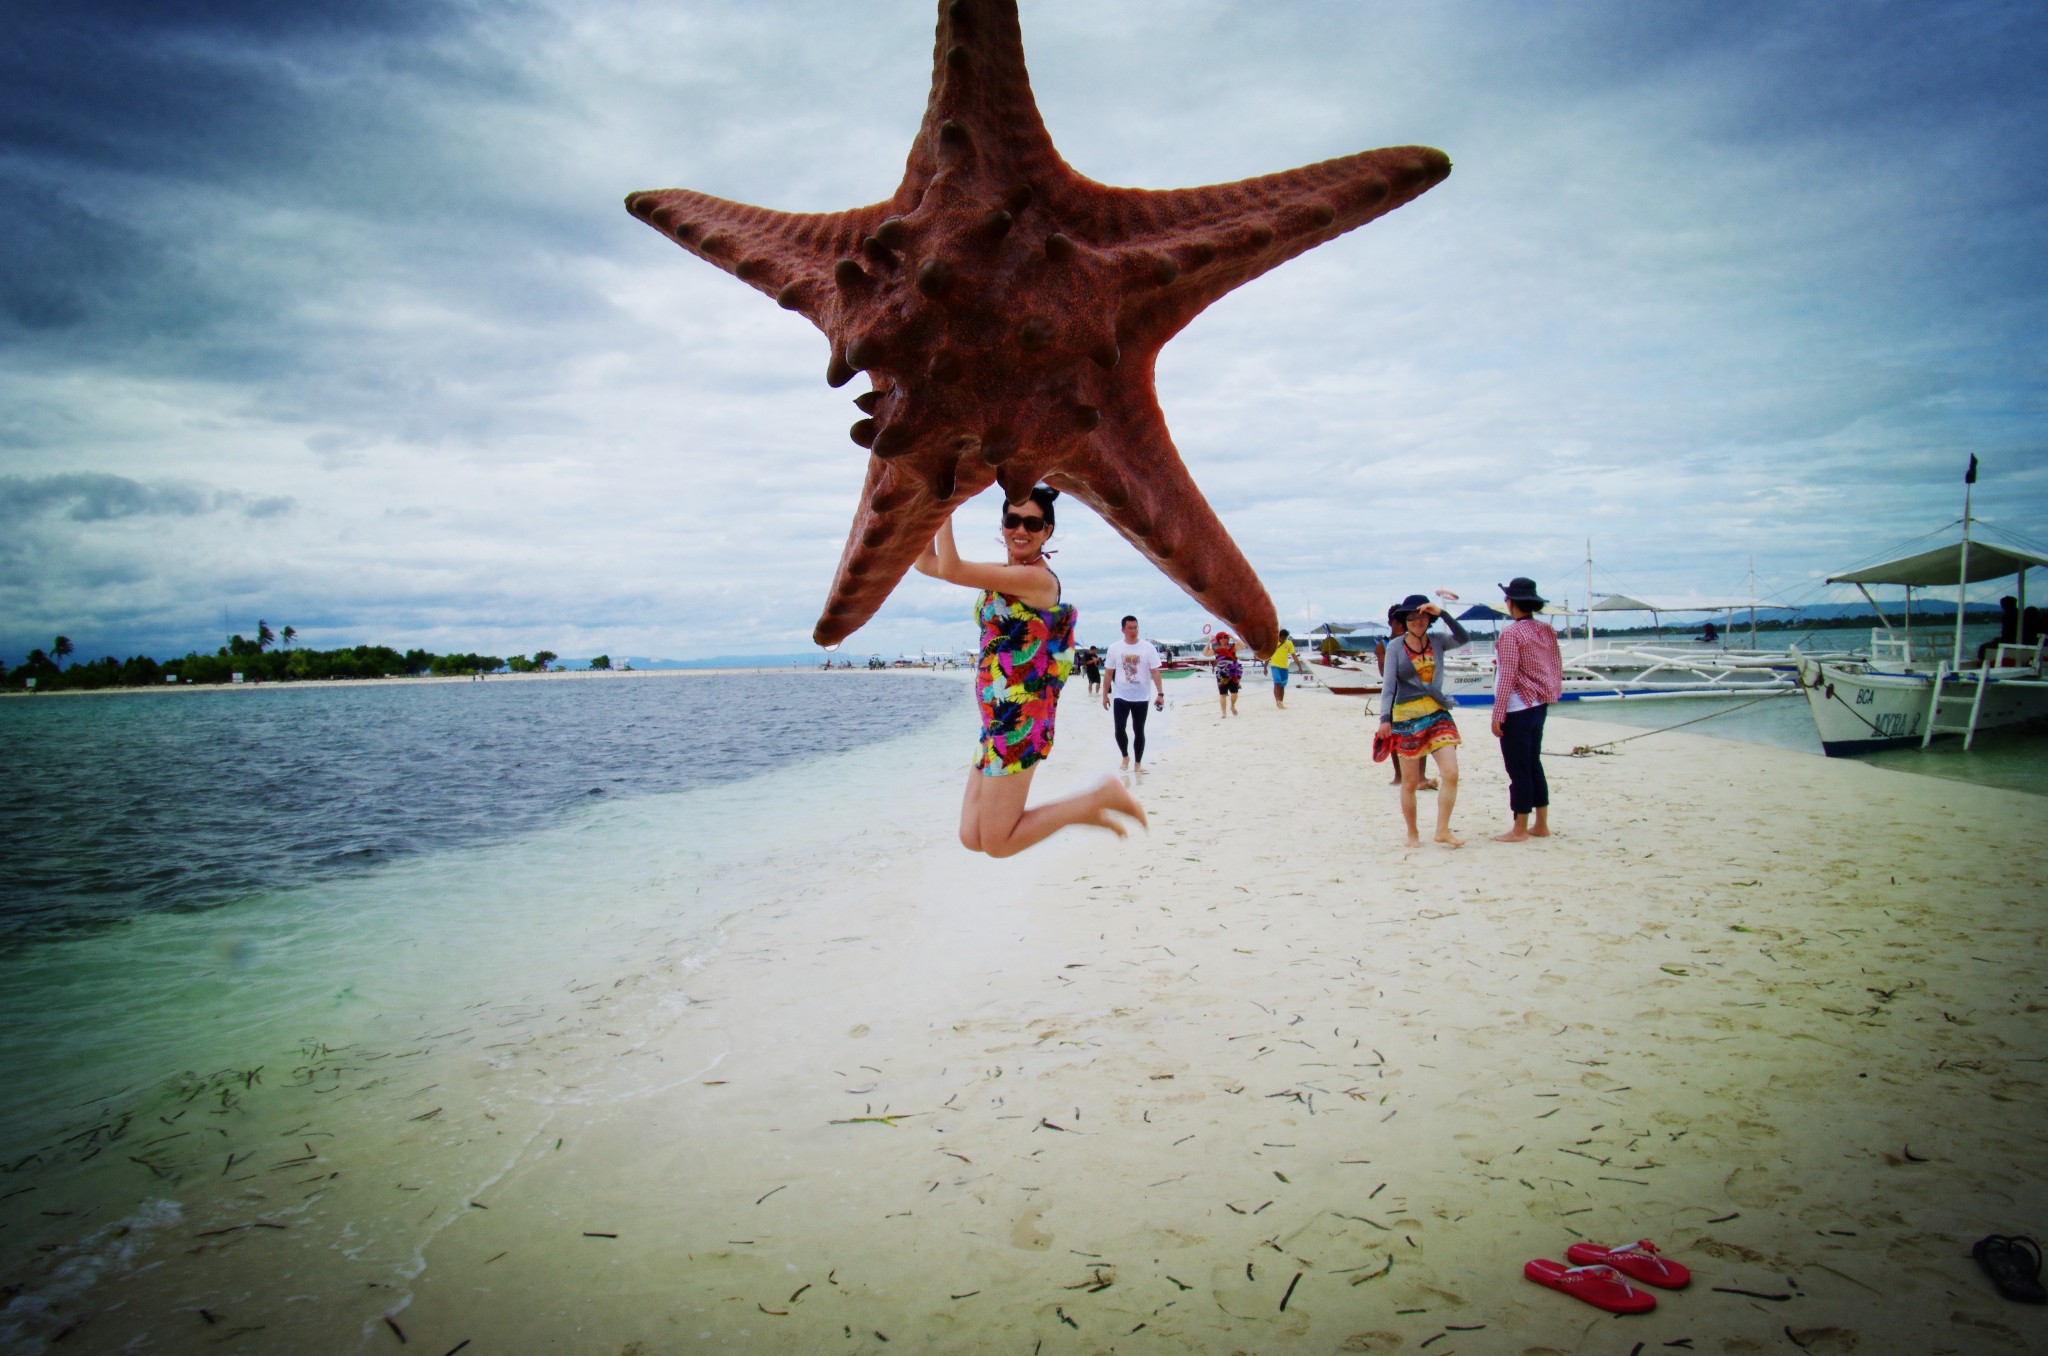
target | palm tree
[
  {"x": 265, "y": 637},
  {"x": 290, "y": 634},
  {"x": 61, "y": 647}
]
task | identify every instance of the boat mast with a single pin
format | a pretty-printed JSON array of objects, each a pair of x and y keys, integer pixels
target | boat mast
[
  {"x": 1752, "y": 600},
  {"x": 1589, "y": 593},
  {"x": 1963, "y": 580}
]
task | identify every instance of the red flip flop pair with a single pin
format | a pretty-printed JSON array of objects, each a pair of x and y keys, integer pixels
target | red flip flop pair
[{"x": 1602, "y": 1275}]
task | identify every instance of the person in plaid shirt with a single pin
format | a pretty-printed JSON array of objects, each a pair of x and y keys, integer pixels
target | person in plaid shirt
[{"x": 1528, "y": 677}]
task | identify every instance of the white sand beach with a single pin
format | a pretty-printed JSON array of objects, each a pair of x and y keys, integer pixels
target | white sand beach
[{"x": 1261, "y": 1080}]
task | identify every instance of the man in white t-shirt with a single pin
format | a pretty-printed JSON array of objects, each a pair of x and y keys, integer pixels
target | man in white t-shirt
[{"x": 1126, "y": 667}]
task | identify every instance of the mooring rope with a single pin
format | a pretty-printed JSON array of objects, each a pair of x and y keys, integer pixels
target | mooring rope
[{"x": 1586, "y": 750}]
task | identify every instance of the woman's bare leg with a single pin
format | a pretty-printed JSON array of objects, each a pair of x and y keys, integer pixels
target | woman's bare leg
[
  {"x": 993, "y": 818},
  {"x": 1447, "y": 795},
  {"x": 1411, "y": 778}
]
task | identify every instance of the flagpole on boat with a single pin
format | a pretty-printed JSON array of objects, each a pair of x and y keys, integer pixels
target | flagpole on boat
[{"x": 1963, "y": 581}]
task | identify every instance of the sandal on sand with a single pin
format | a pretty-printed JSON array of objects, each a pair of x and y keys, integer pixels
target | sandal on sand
[
  {"x": 1600, "y": 1286},
  {"x": 1639, "y": 1260},
  {"x": 2014, "y": 1265}
]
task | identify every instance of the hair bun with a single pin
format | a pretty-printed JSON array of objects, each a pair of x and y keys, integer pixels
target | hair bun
[{"x": 1050, "y": 492}]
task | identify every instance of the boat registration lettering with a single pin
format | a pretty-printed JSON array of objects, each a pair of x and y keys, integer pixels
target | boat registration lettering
[
  {"x": 1864, "y": 696},
  {"x": 1895, "y": 724}
]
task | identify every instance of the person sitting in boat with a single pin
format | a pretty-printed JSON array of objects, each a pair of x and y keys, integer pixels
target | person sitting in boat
[
  {"x": 1709, "y": 634},
  {"x": 1027, "y": 653},
  {"x": 2009, "y": 629}
]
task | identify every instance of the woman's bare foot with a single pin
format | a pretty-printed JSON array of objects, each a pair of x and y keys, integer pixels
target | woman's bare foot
[
  {"x": 1114, "y": 798},
  {"x": 1427, "y": 784},
  {"x": 1450, "y": 840},
  {"x": 1414, "y": 841},
  {"x": 1539, "y": 833},
  {"x": 1513, "y": 836}
]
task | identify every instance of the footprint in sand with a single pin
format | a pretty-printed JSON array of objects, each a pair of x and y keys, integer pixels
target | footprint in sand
[
  {"x": 1253, "y": 1291},
  {"x": 1027, "y": 1235},
  {"x": 1753, "y": 1187},
  {"x": 1985, "y": 1328}
]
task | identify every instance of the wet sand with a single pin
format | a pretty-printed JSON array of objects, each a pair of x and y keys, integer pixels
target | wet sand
[{"x": 1261, "y": 1080}]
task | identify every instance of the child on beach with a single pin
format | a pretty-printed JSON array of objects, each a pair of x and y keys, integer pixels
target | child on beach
[
  {"x": 1415, "y": 713},
  {"x": 1027, "y": 653},
  {"x": 1277, "y": 665}
]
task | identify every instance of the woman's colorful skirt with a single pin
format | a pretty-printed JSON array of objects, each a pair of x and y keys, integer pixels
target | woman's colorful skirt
[{"x": 1423, "y": 732}]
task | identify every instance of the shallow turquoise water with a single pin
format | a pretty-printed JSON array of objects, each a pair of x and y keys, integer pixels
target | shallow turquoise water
[{"x": 2015, "y": 759}]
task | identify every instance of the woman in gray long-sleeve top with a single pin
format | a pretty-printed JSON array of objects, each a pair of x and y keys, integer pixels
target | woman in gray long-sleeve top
[{"x": 1416, "y": 715}]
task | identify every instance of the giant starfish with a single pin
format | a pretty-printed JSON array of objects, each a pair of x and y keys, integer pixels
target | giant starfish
[{"x": 1008, "y": 313}]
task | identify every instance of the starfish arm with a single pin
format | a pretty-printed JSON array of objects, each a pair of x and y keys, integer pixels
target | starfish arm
[
  {"x": 898, "y": 516},
  {"x": 1178, "y": 250},
  {"x": 1134, "y": 478},
  {"x": 790, "y": 256},
  {"x": 981, "y": 107}
]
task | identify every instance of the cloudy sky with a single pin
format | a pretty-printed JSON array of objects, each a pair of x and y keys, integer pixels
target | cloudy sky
[{"x": 331, "y": 314}]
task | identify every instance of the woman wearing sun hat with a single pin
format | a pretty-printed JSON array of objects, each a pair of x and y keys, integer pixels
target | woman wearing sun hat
[
  {"x": 1528, "y": 677},
  {"x": 1416, "y": 715}
]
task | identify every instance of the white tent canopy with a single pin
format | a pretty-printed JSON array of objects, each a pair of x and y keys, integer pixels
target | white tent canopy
[{"x": 1944, "y": 565}]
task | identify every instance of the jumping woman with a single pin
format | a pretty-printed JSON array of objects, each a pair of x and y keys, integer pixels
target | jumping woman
[{"x": 1027, "y": 653}]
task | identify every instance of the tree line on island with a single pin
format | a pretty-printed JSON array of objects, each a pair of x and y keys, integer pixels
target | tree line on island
[{"x": 272, "y": 657}]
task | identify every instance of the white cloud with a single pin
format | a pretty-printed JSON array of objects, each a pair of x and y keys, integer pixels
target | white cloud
[{"x": 1725, "y": 284}]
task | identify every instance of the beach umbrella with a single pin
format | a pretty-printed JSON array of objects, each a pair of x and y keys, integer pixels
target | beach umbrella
[{"x": 1481, "y": 612}]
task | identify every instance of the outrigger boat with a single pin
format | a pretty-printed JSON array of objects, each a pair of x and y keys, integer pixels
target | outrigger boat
[{"x": 1903, "y": 694}]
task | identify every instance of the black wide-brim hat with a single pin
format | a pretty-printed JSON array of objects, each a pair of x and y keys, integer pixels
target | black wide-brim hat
[
  {"x": 1407, "y": 605},
  {"x": 1522, "y": 590}
]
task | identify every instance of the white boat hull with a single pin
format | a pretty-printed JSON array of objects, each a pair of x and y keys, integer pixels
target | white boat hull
[{"x": 1857, "y": 709}]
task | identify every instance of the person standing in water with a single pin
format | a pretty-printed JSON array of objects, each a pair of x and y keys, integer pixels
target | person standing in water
[
  {"x": 1130, "y": 663},
  {"x": 1415, "y": 713},
  {"x": 1528, "y": 677},
  {"x": 1277, "y": 665},
  {"x": 1027, "y": 653}
]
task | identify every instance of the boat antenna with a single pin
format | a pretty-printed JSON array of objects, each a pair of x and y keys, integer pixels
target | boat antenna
[{"x": 1963, "y": 581}]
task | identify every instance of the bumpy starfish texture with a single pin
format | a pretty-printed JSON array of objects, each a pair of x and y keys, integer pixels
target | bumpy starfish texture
[{"x": 1008, "y": 313}]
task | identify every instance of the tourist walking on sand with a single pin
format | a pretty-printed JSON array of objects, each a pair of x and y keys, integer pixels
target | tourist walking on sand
[
  {"x": 1277, "y": 665},
  {"x": 1091, "y": 664},
  {"x": 1131, "y": 662},
  {"x": 1229, "y": 672},
  {"x": 1528, "y": 677},
  {"x": 1416, "y": 715},
  {"x": 1379, "y": 656},
  {"x": 1027, "y": 653}
]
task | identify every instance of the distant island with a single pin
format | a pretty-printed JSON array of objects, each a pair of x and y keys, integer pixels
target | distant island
[{"x": 269, "y": 658}]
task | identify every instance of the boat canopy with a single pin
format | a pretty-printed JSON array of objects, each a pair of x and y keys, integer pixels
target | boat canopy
[
  {"x": 1621, "y": 602},
  {"x": 1944, "y": 565}
]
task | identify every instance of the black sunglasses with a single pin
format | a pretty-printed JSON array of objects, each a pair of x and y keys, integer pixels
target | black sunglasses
[{"x": 1016, "y": 520}]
